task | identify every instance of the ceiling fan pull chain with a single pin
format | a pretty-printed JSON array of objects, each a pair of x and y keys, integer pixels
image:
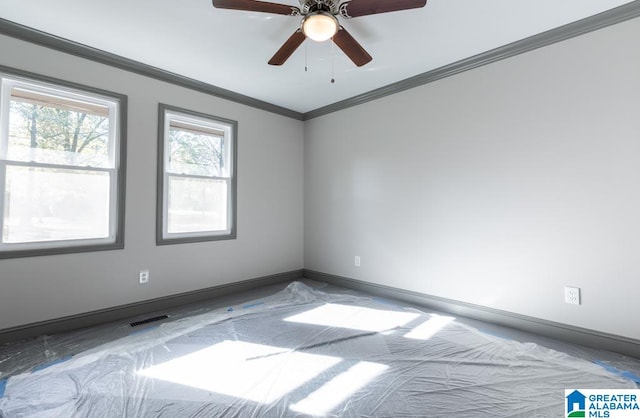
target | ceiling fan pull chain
[
  {"x": 305, "y": 57},
  {"x": 333, "y": 54}
]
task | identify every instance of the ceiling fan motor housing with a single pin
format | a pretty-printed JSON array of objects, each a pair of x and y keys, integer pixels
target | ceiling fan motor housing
[{"x": 311, "y": 6}]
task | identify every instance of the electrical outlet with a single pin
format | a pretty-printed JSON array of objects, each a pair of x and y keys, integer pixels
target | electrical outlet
[
  {"x": 356, "y": 261},
  {"x": 572, "y": 295},
  {"x": 143, "y": 277}
]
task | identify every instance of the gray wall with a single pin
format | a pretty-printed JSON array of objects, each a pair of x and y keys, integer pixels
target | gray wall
[
  {"x": 270, "y": 201},
  {"x": 497, "y": 187}
]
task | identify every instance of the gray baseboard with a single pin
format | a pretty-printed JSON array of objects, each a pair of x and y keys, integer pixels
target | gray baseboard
[
  {"x": 556, "y": 330},
  {"x": 116, "y": 313}
]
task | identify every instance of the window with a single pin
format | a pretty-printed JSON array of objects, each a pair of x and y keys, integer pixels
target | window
[
  {"x": 196, "y": 177},
  {"x": 61, "y": 177}
]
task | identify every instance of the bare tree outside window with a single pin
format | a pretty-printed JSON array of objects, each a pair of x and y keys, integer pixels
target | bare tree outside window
[
  {"x": 192, "y": 153},
  {"x": 53, "y": 135}
]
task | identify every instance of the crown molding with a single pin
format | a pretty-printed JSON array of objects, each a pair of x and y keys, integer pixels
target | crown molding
[{"x": 57, "y": 43}]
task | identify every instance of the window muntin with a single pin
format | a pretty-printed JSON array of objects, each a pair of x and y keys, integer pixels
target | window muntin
[
  {"x": 196, "y": 177},
  {"x": 60, "y": 177}
]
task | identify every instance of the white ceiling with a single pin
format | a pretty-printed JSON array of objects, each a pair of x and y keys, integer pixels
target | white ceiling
[{"x": 230, "y": 49}]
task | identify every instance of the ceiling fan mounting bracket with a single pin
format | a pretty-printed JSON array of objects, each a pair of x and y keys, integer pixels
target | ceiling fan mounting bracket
[{"x": 310, "y": 6}]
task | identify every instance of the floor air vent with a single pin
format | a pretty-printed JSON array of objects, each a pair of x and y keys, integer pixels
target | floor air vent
[{"x": 146, "y": 321}]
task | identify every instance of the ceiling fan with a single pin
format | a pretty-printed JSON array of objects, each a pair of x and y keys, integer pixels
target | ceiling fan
[{"x": 319, "y": 21}]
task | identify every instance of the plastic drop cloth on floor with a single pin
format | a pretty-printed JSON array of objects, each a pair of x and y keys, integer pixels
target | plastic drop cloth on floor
[{"x": 305, "y": 352}]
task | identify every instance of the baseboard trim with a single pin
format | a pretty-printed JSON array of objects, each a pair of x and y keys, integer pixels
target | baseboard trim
[
  {"x": 116, "y": 313},
  {"x": 556, "y": 330},
  {"x": 559, "y": 331}
]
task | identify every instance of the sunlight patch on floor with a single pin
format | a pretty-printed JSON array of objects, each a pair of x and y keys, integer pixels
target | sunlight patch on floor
[
  {"x": 255, "y": 372},
  {"x": 430, "y": 328},
  {"x": 338, "y": 389},
  {"x": 354, "y": 317}
]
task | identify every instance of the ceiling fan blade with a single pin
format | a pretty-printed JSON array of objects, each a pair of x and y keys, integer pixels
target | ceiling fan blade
[
  {"x": 351, "y": 47},
  {"x": 288, "y": 48},
  {"x": 257, "y": 6},
  {"x": 356, "y": 8}
]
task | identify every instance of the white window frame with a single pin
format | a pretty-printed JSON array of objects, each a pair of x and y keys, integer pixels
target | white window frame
[
  {"x": 116, "y": 105},
  {"x": 229, "y": 132}
]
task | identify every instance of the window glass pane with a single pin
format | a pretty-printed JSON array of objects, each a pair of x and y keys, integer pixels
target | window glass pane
[
  {"x": 196, "y": 205},
  {"x": 43, "y": 204},
  {"x": 197, "y": 160},
  {"x": 195, "y": 153},
  {"x": 45, "y": 133}
]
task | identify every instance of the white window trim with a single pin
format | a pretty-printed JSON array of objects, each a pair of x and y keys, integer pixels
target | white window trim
[
  {"x": 228, "y": 129},
  {"x": 116, "y": 105}
]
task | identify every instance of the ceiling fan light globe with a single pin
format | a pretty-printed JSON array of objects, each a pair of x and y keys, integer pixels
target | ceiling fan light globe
[{"x": 320, "y": 26}]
